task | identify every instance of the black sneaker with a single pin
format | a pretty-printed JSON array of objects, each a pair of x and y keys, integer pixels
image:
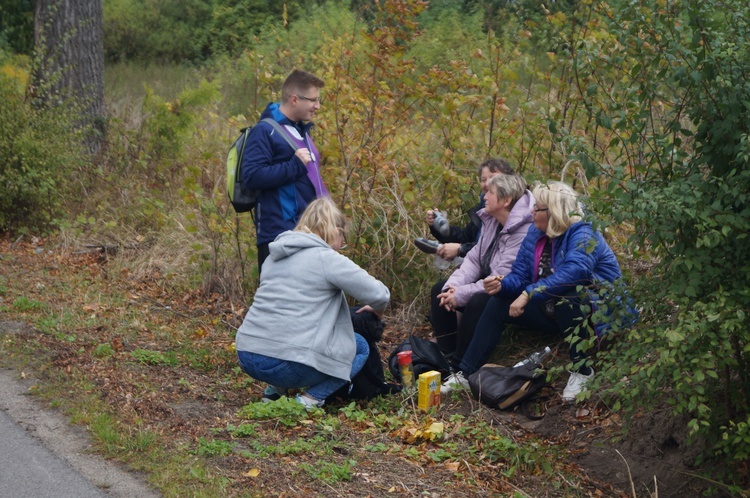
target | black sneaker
[
  {"x": 272, "y": 393},
  {"x": 428, "y": 246}
]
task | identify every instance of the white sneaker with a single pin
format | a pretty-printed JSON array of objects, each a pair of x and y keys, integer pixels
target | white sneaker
[
  {"x": 309, "y": 402},
  {"x": 454, "y": 381},
  {"x": 575, "y": 385}
]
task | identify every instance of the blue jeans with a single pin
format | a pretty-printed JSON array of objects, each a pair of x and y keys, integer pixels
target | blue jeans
[
  {"x": 568, "y": 314},
  {"x": 290, "y": 374}
]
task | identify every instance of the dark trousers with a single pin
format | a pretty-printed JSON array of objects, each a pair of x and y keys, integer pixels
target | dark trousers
[
  {"x": 263, "y": 253},
  {"x": 454, "y": 337},
  {"x": 494, "y": 319}
]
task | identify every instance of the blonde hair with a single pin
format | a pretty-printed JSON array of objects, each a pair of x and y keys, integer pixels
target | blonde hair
[
  {"x": 562, "y": 204},
  {"x": 507, "y": 185},
  {"x": 322, "y": 218}
]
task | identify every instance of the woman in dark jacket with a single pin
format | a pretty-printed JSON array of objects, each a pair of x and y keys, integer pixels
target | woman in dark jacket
[
  {"x": 456, "y": 242},
  {"x": 562, "y": 261}
]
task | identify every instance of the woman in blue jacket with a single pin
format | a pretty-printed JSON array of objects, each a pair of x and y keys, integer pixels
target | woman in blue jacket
[{"x": 561, "y": 262}]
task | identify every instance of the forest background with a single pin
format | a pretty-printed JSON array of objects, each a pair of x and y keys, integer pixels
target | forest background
[{"x": 643, "y": 105}]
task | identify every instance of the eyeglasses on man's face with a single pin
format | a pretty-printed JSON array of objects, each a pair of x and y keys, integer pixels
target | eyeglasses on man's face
[{"x": 316, "y": 100}]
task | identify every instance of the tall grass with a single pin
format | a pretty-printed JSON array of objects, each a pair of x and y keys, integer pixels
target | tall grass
[{"x": 126, "y": 83}]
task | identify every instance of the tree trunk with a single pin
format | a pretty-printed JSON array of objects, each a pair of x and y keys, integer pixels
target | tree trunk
[{"x": 68, "y": 38}]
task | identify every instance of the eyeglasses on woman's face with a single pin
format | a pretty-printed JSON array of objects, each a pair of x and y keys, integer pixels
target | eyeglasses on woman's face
[
  {"x": 537, "y": 209},
  {"x": 343, "y": 239}
]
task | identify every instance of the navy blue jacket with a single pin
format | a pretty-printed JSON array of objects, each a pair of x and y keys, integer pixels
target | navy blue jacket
[{"x": 269, "y": 165}]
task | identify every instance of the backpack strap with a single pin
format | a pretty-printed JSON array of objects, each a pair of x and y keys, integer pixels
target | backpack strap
[{"x": 276, "y": 126}]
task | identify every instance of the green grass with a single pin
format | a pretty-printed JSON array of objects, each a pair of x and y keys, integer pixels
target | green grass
[
  {"x": 286, "y": 411},
  {"x": 24, "y": 304},
  {"x": 211, "y": 448},
  {"x": 329, "y": 472},
  {"x": 125, "y": 83},
  {"x": 104, "y": 350},
  {"x": 149, "y": 357}
]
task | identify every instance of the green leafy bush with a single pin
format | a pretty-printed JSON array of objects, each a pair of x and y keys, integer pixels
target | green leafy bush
[
  {"x": 40, "y": 153},
  {"x": 676, "y": 126}
]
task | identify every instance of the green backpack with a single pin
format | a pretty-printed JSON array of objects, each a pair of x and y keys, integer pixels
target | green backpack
[{"x": 244, "y": 200}]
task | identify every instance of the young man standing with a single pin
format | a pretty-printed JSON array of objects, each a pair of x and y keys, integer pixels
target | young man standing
[{"x": 288, "y": 180}]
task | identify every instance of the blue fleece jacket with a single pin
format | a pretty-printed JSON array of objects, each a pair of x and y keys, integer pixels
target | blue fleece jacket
[{"x": 269, "y": 165}]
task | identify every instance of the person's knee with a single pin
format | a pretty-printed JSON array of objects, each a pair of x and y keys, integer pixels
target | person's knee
[
  {"x": 496, "y": 309},
  {"x": 362, "y": 347}
]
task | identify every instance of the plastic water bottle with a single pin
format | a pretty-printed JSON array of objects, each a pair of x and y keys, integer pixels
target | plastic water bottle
[
  {"x": 406, "y": 368},
  {"x": 535, "y": 357},
  {"x": 440, "y": 263},
  {"x": 441, "y": 224}
]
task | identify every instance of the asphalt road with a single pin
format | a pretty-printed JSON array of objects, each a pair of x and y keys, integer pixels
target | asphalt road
[
  {"x": 28, "y": 469},
  {"x": 42, "y": 455}
]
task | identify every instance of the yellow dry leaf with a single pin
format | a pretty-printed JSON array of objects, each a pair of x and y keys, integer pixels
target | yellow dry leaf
[
  {"x": 435, "y": 431},
  {"x": 252, "y": 473},
  {"x": 452, "y": 466}
]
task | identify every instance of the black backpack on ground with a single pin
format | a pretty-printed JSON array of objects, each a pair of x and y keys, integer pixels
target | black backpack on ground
[
  {"x": 370, "y": 381},
  {"x": 425, "y": 356},
  {"x": 508, "y": 387}
]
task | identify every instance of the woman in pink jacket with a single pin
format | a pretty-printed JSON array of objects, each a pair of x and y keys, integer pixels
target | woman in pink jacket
[{"x": 506, "y": 218}]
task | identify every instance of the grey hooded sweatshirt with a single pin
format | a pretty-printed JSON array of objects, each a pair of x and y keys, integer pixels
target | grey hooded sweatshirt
[{"x": 300, "y": 312}]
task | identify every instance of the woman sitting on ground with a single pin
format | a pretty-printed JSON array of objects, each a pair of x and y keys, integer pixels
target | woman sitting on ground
[
  {"x": 298, "y": 332},
  {"x": 560, "y": 254},
  {"x": 506, "y": 218}
]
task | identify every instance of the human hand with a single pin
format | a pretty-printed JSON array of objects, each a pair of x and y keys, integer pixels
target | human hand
[
  {"x": 517, "y": 306},
  {"x": 448, "y": 299},
  {"x": 430, "y": 217},
  {"x": 304, "y": 155},
  {"x": 449, "y": 251},
  {"x": 493, "y": 284},
  {"x": 367, "y": 307}
]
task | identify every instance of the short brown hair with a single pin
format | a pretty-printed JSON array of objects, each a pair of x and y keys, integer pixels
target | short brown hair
[
  {"x": 496, "y": 165},
  {"x": 299, "y": 81}
]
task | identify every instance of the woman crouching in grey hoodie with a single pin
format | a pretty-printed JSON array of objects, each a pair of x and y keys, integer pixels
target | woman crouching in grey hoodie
[{"x": 298, "y": 331}]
